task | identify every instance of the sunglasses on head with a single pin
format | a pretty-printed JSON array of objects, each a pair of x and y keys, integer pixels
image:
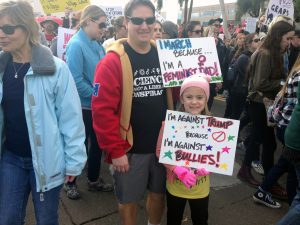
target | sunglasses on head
[
  {"x": 140, "y": 21},
  {"x": 101, "y": 25},
  {"x": 197, "y": 31},
  {"x": 10, "y": 29},
  {"x": 256, "y": 40}
]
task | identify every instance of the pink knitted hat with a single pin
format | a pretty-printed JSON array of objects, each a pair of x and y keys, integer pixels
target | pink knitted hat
[{"x": 196, "y": 80}]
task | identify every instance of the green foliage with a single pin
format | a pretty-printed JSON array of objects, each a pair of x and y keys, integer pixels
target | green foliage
[{"x": 248, "y": 6}]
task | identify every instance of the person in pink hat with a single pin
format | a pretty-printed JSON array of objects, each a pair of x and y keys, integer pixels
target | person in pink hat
[{"x": 188, "y": 184}]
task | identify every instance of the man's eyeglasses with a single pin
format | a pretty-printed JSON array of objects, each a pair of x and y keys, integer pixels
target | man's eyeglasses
[
  {"x": 216, "y": 25},
  {"x": 10, "y": 29},
  {"x": 197, "y": 31},
  {"x": 140, "y": 21},
  {"x": 256, "y": 40},
  {"x": 101, "y": 25}
]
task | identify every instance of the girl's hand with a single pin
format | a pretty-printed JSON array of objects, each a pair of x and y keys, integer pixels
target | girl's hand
[
  {"x": 201, "y": 172},
  {"x": 69, "y": 179},
  {"x": 187, "y": 177}
]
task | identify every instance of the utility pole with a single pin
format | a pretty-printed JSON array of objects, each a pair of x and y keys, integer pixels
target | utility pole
[{"x": 225, "y": 23}]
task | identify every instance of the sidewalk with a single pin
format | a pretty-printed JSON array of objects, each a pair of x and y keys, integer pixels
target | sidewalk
[{"x": 230, "y": 202}]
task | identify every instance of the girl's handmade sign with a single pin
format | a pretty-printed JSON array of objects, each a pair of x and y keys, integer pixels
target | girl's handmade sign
[{"x": 199, "y": 142}]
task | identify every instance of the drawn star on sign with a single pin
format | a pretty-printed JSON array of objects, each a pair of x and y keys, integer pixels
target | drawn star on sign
[
  {"x": 224, "y": 166},
  {"x": 226, "y": 149},
  {"x": 231, "y": 138},
  {"x": 209, "y": 130},
  {"x": 168, "y": 154},
  {"x": 209, "y": 148},
  {"x": 187, "y": 163}
]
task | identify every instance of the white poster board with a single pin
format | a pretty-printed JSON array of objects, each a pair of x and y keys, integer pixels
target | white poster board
[
  {"x": 199, "y": 142},
  {"x": 63, "y": 37},
  {"x": 279, "y": 7},
  {"x": 251, "y": 24},
  {"x": 159, "y": 17},
  {"x": 183, "y": 57},
  {"x": 111, "y": 13}
]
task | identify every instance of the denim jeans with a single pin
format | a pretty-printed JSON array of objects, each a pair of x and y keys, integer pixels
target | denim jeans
[
  {"x": 17, "y": 180},
  {"x": 292, "y": 217}
]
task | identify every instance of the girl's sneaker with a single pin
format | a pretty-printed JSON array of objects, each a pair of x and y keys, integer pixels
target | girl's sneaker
[
  {"x": 257, "y": 167},
  {"x": 265, "y": 198}
]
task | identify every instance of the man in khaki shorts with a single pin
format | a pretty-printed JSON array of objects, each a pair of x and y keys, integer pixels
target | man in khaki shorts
[{"x": 129, "y": 104}]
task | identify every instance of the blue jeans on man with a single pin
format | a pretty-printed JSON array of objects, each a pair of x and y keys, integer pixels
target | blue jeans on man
[{"x": 17, "y": 181}]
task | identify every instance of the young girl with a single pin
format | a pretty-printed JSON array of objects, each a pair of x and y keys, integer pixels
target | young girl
[{"x": 186, "y": 184}]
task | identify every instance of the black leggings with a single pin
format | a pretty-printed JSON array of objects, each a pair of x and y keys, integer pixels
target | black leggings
[
  {"x": 176, "y": 206},
  {"x": 92, "y": 147}
]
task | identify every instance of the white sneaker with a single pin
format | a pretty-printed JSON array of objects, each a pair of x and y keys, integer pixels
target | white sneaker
[{"x": 257, "y": 167}]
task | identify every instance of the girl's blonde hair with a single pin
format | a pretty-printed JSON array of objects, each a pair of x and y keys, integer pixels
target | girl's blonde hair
[
  {"x": 205, "y": 112},
  {"x": 21, "y": 13}
]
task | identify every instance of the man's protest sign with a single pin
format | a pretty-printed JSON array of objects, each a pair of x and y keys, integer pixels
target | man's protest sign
[
  {"x": 56, "y": 6},
  {"x": 199, "y": 142},
  {"x": 111, "y": 13},
  {"x": 181, "y": 58},
  {"x": 279, "y": 7},
  {"x": 63, "y": 37}
]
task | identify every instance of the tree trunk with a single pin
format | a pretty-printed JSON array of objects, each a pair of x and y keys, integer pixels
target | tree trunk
[
  {"x": 190, "y": 11},
  {"x": 185, "y": 11},
  {"x": 225, "y": 23}
]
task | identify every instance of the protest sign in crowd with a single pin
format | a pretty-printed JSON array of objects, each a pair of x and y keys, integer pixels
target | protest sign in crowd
[{"x": 128, "y": 85}]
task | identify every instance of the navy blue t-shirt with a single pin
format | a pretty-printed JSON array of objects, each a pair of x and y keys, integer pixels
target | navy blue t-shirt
[
  {"x": 15, "y": 127},
  {"x": 149, "y": 104}
]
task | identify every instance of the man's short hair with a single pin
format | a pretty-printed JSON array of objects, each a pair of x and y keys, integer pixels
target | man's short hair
[{"x": 132, "y": 4}]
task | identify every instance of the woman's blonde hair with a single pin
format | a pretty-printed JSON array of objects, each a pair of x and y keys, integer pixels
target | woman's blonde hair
[
  {"x": 90, "y": 12},
  {"x": 295, "y": 69},
  {"x": 21, "y": 13}
]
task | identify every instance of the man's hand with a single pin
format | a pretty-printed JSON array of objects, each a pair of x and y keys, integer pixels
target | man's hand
[{"x": 121, "y": 164}]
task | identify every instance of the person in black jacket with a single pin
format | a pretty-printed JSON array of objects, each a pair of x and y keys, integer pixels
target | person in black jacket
[{"x": 239, "y": 89}]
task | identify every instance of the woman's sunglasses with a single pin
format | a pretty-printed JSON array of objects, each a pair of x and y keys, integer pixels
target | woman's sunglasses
[
  {"x": 197, "y": 31},
  {"x": 10, "y": 29},
  {"x": 140, "y": 21},
  {"x": 256, "y": 40},
  {"x": 101, "y": 25}
]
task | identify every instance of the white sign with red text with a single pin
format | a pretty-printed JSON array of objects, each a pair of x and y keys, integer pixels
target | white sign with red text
[{"x": 63, "y": 37}]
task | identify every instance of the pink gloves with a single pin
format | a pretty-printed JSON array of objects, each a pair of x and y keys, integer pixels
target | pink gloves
[
  {"x": 187, "y": 177},
  {"x": 202, "y": 172}
]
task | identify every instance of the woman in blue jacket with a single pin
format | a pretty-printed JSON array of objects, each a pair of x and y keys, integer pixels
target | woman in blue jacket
[
  {"x": 42, "y": 131},
  {"x": 82, "y": 54}
]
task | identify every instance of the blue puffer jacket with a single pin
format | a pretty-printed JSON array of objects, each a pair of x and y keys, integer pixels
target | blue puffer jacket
[{"x": 53, "y": 116}]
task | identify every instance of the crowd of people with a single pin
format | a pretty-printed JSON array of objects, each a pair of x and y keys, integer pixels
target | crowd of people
[{"x": 57, "y": 116}]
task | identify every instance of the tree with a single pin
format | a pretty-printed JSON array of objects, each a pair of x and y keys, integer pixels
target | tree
[
  {"x": 297, "y": 10},
  {"x": 249, "y": 6}
]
